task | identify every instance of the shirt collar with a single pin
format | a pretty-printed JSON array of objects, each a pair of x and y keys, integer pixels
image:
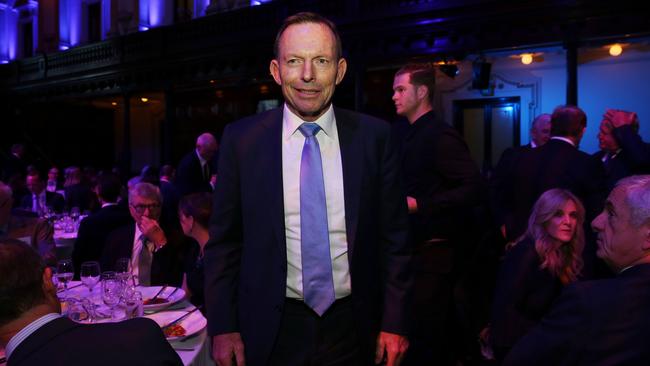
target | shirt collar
[
  {"x": 291, "y": 122},
  {"x": 563, "y": 139},
  {"x": 19, "y": 337},
  {"x": 201, "y": 160}
]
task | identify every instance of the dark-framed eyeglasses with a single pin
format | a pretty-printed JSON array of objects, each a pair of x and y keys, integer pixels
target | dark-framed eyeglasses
[{"x": 140, "y": 209}]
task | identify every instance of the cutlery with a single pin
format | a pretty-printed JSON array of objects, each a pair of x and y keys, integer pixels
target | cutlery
[
  {"x": 69, "y": 288},
  {"x": 182, "y": 317},
  {"x": 172, "y": 294},
  {"x": 159, "y": 292}
]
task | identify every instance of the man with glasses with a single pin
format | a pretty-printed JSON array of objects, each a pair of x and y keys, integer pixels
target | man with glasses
[{"x": 152, "y": 249}]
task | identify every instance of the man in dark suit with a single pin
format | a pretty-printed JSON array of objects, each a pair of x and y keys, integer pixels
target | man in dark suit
[
  {"x": 603, "y": 322},
  {"x": 443, "y": 184},
  {"x": 155, "y": 253},
  {"x": 33, "y": 332},
  {"x": 557, "y": 164},
  {"x": 170, "y": 196},
  {"x": 276, "y": 295},
  {"x": 623, "y": 153},
  {"x": 77, "y": 192},
  {"x": 197, "y": 171},
  {"x": 94, "y": 229},
  {"x": 34, "y": 201}
]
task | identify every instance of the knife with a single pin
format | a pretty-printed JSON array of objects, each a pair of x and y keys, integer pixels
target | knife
[
  {"x": 182, "y": 317},
  {"x": 172, "y": 294},
  {"x": 159, "y": 292}
]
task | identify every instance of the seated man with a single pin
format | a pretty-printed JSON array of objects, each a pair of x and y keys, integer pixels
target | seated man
[
  {"x": 33, "y": 332},
  {"x": 95, "y": 228},
  {"x": 78, "y": 193},
  {"x": 155, "y": 253},
  {"x": 603, "y": 322},
  {"x": 39, "y": 196},
  {"x": 623, "y": 153}
]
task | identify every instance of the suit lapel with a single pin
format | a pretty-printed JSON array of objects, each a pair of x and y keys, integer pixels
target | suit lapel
[
  {"x": 351, "y": 145},
  {"x": 273, "y": 150}
]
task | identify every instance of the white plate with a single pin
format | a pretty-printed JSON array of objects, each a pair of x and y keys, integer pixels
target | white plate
[
  {"x": 193, "y": 324},
  {"x": 150, "y": 292}
]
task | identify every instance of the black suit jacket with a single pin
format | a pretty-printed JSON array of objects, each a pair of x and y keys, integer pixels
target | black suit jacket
[
  {"x": 603, "y": 322},
  {"x": 52, "y": 199},
  {"x": 167, "y": 264},
  {"x": 499, "y": 182},
  {"x": 245, "y": 259},
  {"x": 524, "y": 293},
  {"x": 93, "y": 231},
  {"x": 189, "y": 176},
  {"x": 64, "y": 342},
  {"x": 557, "y": 164},
  {"x": 633, "y": 159}
]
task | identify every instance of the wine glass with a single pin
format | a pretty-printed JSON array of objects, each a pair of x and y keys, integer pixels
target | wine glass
[
  {"x": 90, "y": 274},
  {"x": 111, "y": 291},
  {"x": 64, "y": 273},
  {"x": 123, "y": 269}
]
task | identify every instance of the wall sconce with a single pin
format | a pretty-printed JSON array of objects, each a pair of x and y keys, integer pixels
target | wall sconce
[
  {"x": 527, "y": 58},
  {"x": 615, "y": 49},
  {"x": 144, "y": 100}
]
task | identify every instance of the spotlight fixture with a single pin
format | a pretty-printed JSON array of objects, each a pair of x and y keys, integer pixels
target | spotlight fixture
[
  {"x": 615, "y": 49},
  {"x": 450, "y": 70},
  {"x": 481, "y": 74}
]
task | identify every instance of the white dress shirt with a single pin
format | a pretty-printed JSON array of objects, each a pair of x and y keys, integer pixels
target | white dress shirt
[{"x": 292, "y": 144}]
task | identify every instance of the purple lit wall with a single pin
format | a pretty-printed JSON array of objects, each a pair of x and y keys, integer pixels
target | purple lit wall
[
  {"x": 154, "y": 13},
  {"x": 69, "y": 23},
  {"x": 8, "y": 33},
  {"x": 199, "y": 7}
]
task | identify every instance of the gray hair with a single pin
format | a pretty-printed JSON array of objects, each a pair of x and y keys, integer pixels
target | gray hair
[
  {"x": 637, "y": 197},
  {"x": 145, "y": 190}
]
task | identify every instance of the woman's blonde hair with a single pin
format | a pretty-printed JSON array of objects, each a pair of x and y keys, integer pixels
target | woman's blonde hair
[{"x": 562, "y": 260}]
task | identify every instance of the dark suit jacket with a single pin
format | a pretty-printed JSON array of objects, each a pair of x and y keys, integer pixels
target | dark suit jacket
[
  {"x": 524, "y": 294},
  {"x": 245, "y": 259},
  {"x": 167, "y": 264},
  {"x": 603, "y": 322},
  {"x": 64, "y": 342},
  {"x": 170, "y": 198},
  {"x": 499, "y": 182},
  {"x": 557, "y": 164},
  {"x": 633, "y": 159},
  {"x": 80, "y": 195},
  {"x": 440, "y": 174},
  {"x": 52, "y": 199},
  {"x": 93, "y": 231},
  {"x": 189, "y": 176}
]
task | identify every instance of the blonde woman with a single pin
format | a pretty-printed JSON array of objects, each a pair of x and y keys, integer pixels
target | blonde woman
[{"x": 536, "y": 268}]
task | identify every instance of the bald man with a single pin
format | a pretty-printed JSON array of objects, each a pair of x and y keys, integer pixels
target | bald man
[{"x": 197, "y": 171}]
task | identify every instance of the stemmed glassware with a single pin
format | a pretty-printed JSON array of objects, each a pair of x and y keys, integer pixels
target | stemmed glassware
[
  {"x": 123, "y": 270},
  {"x": 111, "y": 290},
  {"x": 64, "y": 273},
  {"x": 90, "y": 274}
]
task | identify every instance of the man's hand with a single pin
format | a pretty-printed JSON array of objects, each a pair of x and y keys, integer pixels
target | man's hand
[
  {"x": 412, "y": 204},
  {"x": 392, "y": 345},
  {"x": 151, "y": 229},
  {"x": 619, "y": 118},
  {"x": 225, "y": 347}
]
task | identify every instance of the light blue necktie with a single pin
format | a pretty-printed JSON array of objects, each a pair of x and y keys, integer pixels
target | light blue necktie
[{"x": 317, "y": 280}]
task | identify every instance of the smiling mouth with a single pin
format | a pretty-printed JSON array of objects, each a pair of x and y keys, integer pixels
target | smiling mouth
[{"x": 308, "y": 92}]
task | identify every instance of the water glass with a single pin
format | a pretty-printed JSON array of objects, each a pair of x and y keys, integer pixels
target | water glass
[
  {"x": 123, "y": 269},
  {"x": 90, "y": 274},
  {"x": 64, "y": 273},
  {"x": 111, "y": 292},
  {"x": 133, "y": 305}
]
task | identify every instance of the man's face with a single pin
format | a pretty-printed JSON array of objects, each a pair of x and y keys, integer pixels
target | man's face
[
  {"x": 541, "y": 133},
  {"x": 207, "y": 151},
  {"x": 405, "y": 96},
  {"x": 142, "y": 206},
  {"x": 620, "y": 244},
  {"x": 34, "y": 184},
  {"x": 606, "y": 140},
  {"x": 53, "y": 174},
  {"x": 307, "y": 69}
]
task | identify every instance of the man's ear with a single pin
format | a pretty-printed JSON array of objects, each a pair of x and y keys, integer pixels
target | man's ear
[
  {"x": 341, "y": 68},
  {"x": 48, "y": 284},
  {"x": 422, "y": 92},
  {"x": 274, "y": 68}
]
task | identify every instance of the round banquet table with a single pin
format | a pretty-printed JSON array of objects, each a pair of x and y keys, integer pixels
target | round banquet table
[{"x": 194, "y": 350}]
